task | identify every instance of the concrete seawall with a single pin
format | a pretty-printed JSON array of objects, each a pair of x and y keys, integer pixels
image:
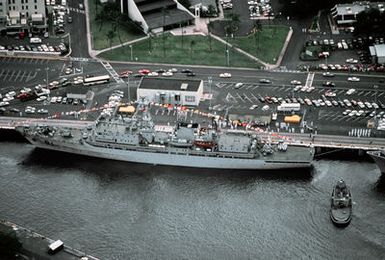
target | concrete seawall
[{"x": 35, "y": 246}]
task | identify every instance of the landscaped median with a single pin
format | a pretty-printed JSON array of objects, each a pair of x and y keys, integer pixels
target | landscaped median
[
  {"x": 204, "y": 50},
  {"x": 266, "y": 46},
  {"x": 191, "y": 49}
]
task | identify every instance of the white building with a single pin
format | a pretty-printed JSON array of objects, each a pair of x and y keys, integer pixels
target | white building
[
  {"x": 156, "y": 16},
  {"x": 22, "y": 16},
  {"x": 346, "y": 14},
  {"x": 377, "y": 52},
  {"x": 186, "y": 92}
]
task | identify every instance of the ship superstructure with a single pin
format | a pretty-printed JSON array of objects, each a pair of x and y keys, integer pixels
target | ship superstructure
[{"x": 135, "y": 138}]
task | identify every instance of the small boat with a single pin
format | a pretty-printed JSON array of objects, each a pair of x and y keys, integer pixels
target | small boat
[{"x": 341, "y": 209}]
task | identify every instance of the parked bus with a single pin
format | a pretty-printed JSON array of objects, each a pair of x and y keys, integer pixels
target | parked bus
[
  {"x": 96, "y": 80},
  {"x": 287, "y": 107}
]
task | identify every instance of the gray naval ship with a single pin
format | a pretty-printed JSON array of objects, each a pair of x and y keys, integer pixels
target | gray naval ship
[
  {"x": 379, "y": 158},
  {"x": 135, "y": 138}
]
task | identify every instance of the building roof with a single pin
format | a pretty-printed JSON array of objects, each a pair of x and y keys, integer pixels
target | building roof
[
  {"x": 173, "y": 17},
  {"x": 357, "y": 7},
  {"x": 380, "y": 50},
  {"x": 170, "y": 84}
]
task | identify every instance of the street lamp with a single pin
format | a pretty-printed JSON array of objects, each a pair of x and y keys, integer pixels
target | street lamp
[
  {"x": 130, "y": 50},
  {"x": 210, "y": 80},
  {"x": 128, "y": 88},
  {"x": 228, "y": 58}
]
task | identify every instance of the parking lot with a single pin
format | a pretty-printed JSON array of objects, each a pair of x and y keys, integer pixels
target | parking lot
[{"x": 334, "y": 109}]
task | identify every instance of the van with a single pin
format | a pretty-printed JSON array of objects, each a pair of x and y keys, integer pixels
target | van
[{"x": 35, "y": 40}]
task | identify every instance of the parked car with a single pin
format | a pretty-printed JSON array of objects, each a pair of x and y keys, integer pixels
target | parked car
[
  {"x": 265, "y": 81},
  {"x": 328, "y": 74},
  {"x": 225, "y": 75},
  {"x": 354, "y": 79},
  {"x": 328, "y": 84}
]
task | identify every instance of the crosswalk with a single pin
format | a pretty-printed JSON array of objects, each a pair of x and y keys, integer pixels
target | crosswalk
[{"x": 112, "y": 71}]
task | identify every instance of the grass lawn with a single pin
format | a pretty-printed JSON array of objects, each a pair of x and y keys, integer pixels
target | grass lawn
[
  {"x": 99, "y": 32},
  {"x": 271, "y": 40},
  {"x": 195, "y": 51}
]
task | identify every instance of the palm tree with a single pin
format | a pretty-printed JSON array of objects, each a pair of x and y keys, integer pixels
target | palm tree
[
  {"x": 164, "y": 13},
  {"x": 192, "y": 44},
  {"x": 257, "y": 27},
  {"x": 110, "y": 36}
]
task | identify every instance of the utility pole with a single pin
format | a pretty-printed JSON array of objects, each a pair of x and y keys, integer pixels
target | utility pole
[
  {"x": 210, "y": 80},
  {"x": 131, "y": 50},
  {"x": 128, "y": 88}
]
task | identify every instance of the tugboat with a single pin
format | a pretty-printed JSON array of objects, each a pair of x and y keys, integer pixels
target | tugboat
[{"x": 341, "y": 210}]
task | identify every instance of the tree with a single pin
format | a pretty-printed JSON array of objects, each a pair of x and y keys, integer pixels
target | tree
[
  {"x": 232, "y": 24},
  {"x": 164, "y": 13},
  {"x": 192, "y": 44},
  {"x": 9, "y": 245},
  {"x": 110, "y": 36},
  {"x": 257, "y": 27},
  {"x": 370, "y": 21}
]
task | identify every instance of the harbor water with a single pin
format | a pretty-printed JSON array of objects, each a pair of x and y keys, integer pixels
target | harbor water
[{"x": 118, "y": 210}]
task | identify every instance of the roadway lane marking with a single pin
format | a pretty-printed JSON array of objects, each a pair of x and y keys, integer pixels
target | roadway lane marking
[
  {"x": 13, "y": 73},
  {"x": 6, "y": 75},
  {"x": 256, "y": 99},
  {"x": 246, "y": 97},
  {"x": 16, "y": 77},
  {"x": 29, "y": 78},
  {"x": 1, "y": 74},
  {"x": 249, "y": 87},
  {"x": 255, "y": 87},
  {"x": 379, "y": 95},
  {"x": 241, "y": 98},
  {"x": 367, "y": 93},
  {"x": 22, "y": 77},
  {"x": 230, "y": 98}
]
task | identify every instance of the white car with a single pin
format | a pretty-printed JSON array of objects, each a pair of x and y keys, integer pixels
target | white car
[
  {"x": 350, "y": 91},
  {"x": 295, "y": 82},
  {"x": 225, "y": 75},
  {"x": 153, "y": 74},
  {"x": 167, "y": 74},
  {"x": 42, "y": 111},
  {"x": 355, "y": 79},
  {"x": 330, "y": 94},
  {"x": 265, "y": 108},
  {"x": 41, "y": 98},
  {"x": 238, "y": 85},
  {"x": 253, "y": 107}
]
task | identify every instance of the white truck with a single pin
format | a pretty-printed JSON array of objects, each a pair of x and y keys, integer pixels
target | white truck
[{"x": 288, "y": 107}]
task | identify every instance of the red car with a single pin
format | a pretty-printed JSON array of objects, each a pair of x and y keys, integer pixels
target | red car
[
  {"x": 124, "y": 74},
  {"x": 144, "y": 71}
]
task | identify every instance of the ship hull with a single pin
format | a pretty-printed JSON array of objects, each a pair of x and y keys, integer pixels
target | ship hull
[
  {"x": 378, "y": 159},
  {"x": 169, "y": 159}
]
